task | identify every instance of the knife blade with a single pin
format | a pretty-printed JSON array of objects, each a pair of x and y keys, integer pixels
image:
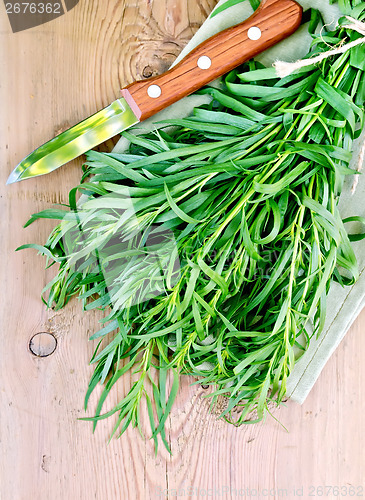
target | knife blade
[{"x": 273, "y": 21}]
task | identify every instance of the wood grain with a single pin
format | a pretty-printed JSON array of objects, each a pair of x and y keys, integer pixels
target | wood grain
[
  {"x": 276, "y": 19},
  {"x": 53, "y": 76}
]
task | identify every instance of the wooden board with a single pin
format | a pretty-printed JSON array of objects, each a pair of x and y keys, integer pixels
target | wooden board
[{"x": 53, "y": 76}]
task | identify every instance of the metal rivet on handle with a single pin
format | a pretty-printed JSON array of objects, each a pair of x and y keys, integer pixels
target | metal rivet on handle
[
  {"x": 254, "y": 33},
  {"x": 154, "y": 91},
  {"x": 204, "y": 62}
]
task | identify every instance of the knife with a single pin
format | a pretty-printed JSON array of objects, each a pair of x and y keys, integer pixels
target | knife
[{"x": 273, "y": 21}]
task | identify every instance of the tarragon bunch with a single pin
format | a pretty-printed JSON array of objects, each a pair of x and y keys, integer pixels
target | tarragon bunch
[{"x": 211, "y": 243}]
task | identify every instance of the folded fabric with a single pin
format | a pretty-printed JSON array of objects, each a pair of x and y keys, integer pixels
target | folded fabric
[{"x": 344, "y": 304}]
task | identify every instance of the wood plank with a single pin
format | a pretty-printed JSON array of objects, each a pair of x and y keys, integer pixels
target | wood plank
[{"x": 53, "y": 76}]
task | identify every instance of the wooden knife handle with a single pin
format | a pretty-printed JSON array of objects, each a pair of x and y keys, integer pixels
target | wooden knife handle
[{"x": 273, "y": 21}]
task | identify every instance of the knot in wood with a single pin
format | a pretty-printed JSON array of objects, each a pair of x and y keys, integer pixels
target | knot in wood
[
  {"x": 43, "y": 344},
  {"x": 147, "y": 72}
]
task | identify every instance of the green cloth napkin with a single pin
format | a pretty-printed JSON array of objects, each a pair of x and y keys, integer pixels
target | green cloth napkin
[{"x": 344, "y": 304}]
